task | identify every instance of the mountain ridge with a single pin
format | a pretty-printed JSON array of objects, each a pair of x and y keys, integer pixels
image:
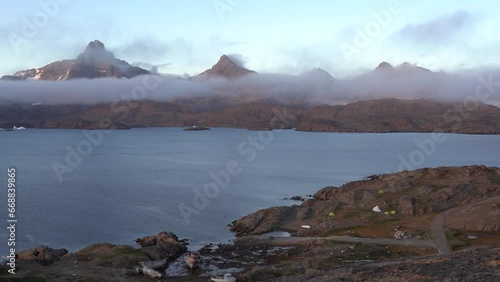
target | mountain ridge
[{"x": 94, "y": 62}]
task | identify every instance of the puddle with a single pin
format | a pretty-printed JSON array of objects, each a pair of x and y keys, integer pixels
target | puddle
[{"x": 278, "y": 234}]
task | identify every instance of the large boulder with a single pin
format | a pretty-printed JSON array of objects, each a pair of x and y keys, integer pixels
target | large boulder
[
  {"x": 42, "y": 254},
  {"x": 163, "y": 237},
  {"x": 262, "y": 221},
  {"x": 164, "y": 245}
]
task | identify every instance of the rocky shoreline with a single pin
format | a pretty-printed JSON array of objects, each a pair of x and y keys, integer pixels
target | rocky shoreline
[{"x": 444, "y": 218}]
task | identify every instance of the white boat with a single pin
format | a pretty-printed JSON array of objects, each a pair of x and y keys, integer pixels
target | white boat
[
  {"x": 193, "y": 260},
  {"x": 18, "y": 128},
  {"x": 228, "y": 277}
]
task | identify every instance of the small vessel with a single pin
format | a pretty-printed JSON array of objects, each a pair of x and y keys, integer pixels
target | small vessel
[
  {"x": 19, "y": 128},
  {"x": 196, "y": 128},
  {"x": 228, "y": 277},
  {"x": 193, "y": 260}
]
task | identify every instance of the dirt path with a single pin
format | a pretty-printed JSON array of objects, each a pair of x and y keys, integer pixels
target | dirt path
[
  {"x": 438, "y": 232},
  {"x": 440, "y": 242}
]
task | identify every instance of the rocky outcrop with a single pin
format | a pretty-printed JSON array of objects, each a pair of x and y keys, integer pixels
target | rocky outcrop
[
  {"x": 108, "y": 255},
  {"x": 42, "y": 254},
  {"x": 262, "y": 221},
  {"x": 103, "y": 261},
  {"x": 164, "y": 245},
  {"x": 408, "y": 193},
  {"x": 161, "y": 238}
]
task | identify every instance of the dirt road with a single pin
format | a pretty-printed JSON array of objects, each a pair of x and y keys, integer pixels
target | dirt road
[
  {"x": 440, "y": 242},
  {"x": 438, "y": 232}
]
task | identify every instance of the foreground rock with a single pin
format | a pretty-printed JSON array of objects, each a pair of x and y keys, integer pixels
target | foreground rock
[
  {"x": 101, "y": 262},
  {"x": 479, "y": 264},
  {"x": 406, "y": 194},
  {"x": 43, "y": 254},
  {"x": 165, "y": 245}
]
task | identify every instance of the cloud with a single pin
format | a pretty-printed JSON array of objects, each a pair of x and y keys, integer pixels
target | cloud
[
  {"x": 146, "y": 48},
  {"x": 437, "y": 31},
  {"x": 313, "y": 89},
  {"x": 150, "y": 67},
  {"x": 238, "y": 59}
]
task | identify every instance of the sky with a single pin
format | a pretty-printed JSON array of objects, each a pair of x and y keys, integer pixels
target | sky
[{"x": 346, "y": 38}]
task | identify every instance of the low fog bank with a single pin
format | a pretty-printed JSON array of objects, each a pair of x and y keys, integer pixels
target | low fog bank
[{"x": 311, "y": 88}]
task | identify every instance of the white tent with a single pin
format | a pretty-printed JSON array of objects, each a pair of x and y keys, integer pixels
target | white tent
[{"x": 376, "y": 209}]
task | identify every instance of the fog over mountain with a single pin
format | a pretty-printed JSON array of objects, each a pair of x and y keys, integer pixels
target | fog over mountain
[
  {"x": 96, "y": 76},
  {"x": 313, "y": 87}
]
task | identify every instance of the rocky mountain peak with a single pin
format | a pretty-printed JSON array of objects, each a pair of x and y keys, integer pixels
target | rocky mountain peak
[
  {"x": 226, "y": 62},
  {"x": 318, "y": 73},
  {"x": 410, "y": 68},
  {"x": 96, "y": 44},
  {"x": 384, "y": 66},
  {"x": 225, "y": 67},
  {"x": 404, "y": 68},
  {"x": 95, "y": 52}
]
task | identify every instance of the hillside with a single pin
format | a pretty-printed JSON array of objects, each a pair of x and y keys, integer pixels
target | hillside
[
  {"x": 383, "y": 115},
  {"x": 412, "y": 195}
]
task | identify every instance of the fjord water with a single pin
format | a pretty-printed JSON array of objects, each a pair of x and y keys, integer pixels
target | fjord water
[{"x": 132, "y": 184}]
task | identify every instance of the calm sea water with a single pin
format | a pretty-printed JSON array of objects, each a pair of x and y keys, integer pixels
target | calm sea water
[{"x": 133, "y": 182}]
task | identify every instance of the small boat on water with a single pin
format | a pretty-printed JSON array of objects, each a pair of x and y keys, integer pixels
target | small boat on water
[
  {"x": 193, "y": 260},
  {"x": 196, "y": 128},
  {"x": 228, "y": 277}
]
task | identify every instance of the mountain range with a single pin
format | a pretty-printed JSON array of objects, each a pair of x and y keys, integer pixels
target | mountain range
[
  {"x": 97, "y": 62},
  {"x": 257, "y": 101}
]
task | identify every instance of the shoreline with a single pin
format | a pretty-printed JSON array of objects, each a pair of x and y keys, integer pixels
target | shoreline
[
  {"x": 268, "y": 129},
  {"x": 425, "y": 231}
]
